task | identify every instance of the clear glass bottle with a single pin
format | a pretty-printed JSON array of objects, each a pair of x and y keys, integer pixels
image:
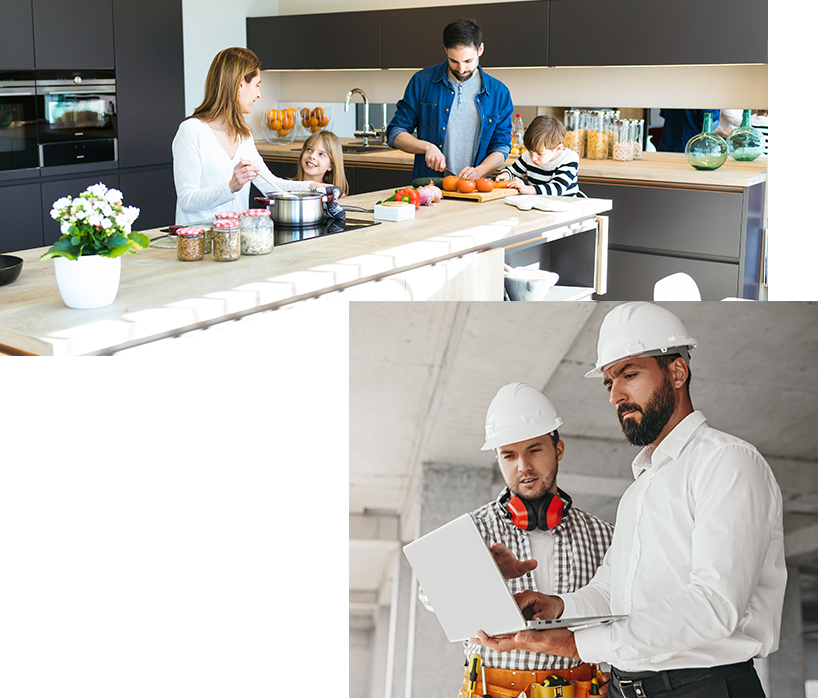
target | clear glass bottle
[
  {"x": 706, "y": 151},
  {"x": 745, "y": 142},
  {"x": 517, "y": 131},
  {"x": 226, "y": 240},
  {"x": 597, "y": 143},
  {"x": 256, "y": 231},
  {"x": 190, "y": 244},
  {"x": 574, "y": 132},
  {"x": 623, "y": 145},
  {"x": 611, "y": 117}
]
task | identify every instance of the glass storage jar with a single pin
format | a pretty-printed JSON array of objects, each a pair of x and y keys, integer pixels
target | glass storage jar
[
  {"x": 623, "y": 146},
  {"x": 226, "y": 240},
  {"x": 745, "y": 142},
  {"x": 706, "y": 151},
  {"x": 256, "y": 231},
  {"x": 597, "y": 143},
  {"x": 190, "y": 244},
  {"x": 610, "y": 116},
  {"x": 222, "y": 215},
  {"x": 574, "y": 131},
  {"x": 637, "y": 129}
]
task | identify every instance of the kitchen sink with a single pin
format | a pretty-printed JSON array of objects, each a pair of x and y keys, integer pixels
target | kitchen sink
[{"x": 360, "y": 148}]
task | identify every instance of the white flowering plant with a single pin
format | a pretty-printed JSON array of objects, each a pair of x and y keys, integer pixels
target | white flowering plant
[{"x": 95, "y": 223}]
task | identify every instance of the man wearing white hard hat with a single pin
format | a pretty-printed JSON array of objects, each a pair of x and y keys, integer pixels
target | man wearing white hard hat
[
  {"x": 697, "y": 559},
  {"x": 532, "y": 519}
]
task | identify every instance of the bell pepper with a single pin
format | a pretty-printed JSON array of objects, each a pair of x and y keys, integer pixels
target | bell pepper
[{"x": 410, "y": 195}]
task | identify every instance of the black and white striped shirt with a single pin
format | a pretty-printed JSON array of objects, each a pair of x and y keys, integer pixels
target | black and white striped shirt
[
  {"x": 555, "y": 178},
  {"x": 580, "y": 543}
]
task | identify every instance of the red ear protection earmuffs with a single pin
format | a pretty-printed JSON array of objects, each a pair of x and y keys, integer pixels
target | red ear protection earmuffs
[{"x": 545, "y": 514}]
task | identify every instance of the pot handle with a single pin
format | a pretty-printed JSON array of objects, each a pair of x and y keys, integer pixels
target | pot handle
[{"x": 264, "y": 200}]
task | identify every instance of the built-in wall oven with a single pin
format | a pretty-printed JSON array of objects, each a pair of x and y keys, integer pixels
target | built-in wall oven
[
  {"x": 18, "y": 121},
  {"x": 77, "y": 116}
]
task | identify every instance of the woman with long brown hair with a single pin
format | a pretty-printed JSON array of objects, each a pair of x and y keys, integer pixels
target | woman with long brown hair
[{"x": 214, "y": 155}]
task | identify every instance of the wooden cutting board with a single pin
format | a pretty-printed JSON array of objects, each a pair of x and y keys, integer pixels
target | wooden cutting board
[{"x": 481, "y": 196}]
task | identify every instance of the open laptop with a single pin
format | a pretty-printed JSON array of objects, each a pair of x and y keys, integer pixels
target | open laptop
[{"x": 466, "y": 588}]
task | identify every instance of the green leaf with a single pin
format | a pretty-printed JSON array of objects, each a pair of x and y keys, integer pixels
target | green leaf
[
  {"x": 62, "y": 248},
  {"x": 140, "y": 240}
]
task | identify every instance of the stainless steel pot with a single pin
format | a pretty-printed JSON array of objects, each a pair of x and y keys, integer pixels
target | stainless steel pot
[{"x": 302, "y": 208}]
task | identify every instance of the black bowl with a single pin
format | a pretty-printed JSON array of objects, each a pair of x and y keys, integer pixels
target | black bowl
[{"x": 10, "y": 268}]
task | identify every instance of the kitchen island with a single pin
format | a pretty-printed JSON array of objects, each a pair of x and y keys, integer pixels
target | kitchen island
[
  {"x": 453, "y": 250},
  {"x": 667, "y": 217}
]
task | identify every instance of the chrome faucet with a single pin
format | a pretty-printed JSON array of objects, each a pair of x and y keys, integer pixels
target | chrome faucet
[{"x": 369, "y": 131}]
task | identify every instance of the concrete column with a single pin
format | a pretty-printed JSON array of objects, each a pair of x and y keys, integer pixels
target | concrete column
[
  {"x": 447, "y": 491},
  {"x": 785, "y": 669},
  {"x": 380, "y": 651}
]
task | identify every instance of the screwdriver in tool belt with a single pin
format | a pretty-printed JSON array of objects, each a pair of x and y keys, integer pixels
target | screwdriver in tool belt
[
  {"x": 485, "y": 687},
  {"x": 474, "y": 671}
]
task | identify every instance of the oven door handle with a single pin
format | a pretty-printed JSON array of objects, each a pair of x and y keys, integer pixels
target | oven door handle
[
  {"x": 15, "y": 93},
  {"x": 75, "y": 90}
]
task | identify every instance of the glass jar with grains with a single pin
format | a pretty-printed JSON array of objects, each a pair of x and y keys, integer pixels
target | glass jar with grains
[
  {"x": 597, "y": 143},
  {"x": 574, "y": 131},
  {"x": 190, "y": 244},
  {"x": 256, "y": 231},
  {"x": 623, "y": 146},
  {"x": 226, "y": 240}
]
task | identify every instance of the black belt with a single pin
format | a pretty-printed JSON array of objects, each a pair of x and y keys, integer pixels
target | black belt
[{"x": 644, "y": 684}]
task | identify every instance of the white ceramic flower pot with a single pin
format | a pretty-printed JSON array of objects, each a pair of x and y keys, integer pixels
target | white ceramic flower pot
[{"x": 88, "y": 282}]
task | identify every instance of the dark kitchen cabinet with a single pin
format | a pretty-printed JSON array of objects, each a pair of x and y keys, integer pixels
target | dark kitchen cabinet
[
  {"x": 150, "y": 83},
  {"x": 413, "y": 38},
  {"x": 341, "y": 40},
  {"x": 22, "y": 218},
  {"x": 375, "y": 178},
  {"x": 714, "y": 234},
  {"x": 16, "y": 36},
  {"x": 73, "y": 35},
  {"x": 632, "y": 275},
  {"x": 51, "y": 191},
  {"x": 657, "y": 32},
  {"x": 153, "y": 193}
]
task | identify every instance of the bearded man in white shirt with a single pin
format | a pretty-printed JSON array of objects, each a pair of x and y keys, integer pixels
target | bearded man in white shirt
[{"x": 697, "y": 558}]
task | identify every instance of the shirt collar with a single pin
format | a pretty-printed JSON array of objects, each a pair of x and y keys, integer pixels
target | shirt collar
[{"x": 671, "y": 446}]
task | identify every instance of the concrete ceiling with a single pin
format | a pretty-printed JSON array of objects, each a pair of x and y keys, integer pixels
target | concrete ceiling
[{"x": 422, "y": 375}]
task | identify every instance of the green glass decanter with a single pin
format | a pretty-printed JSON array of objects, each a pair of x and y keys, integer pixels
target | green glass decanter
[
  {"x": 745, "y": 142},
  {"x": 706, "y": 151}
]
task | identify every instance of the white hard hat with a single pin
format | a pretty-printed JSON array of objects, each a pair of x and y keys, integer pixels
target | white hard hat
[
  {"x": 518, "y": 412},
  {"x": 639, "y": 329}
]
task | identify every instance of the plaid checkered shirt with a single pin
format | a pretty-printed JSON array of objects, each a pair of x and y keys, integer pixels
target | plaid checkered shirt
[{"x": 581, "y": 541}]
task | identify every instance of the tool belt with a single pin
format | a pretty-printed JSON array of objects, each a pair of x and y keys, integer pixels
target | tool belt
[{"x": 509, "y": 683}]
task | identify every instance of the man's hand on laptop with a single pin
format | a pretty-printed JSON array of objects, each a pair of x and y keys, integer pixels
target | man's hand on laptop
[
  {"x": 558, "y": 641},
  {"x": 509, "y": 565},
  {"x": 537, "y": 606}
]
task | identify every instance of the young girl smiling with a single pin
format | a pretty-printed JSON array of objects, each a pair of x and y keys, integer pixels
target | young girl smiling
[{"x": 322, "y": 161}]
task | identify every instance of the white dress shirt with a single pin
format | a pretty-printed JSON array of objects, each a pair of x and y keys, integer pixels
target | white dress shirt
[
  {"x": 697, "y": 558},
  {"x": 202, "y": 171}
]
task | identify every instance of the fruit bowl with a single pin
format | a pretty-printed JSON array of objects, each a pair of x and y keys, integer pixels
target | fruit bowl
[
  {"x": 279, "y": 126},
  {"x": 314, "y": 119}
]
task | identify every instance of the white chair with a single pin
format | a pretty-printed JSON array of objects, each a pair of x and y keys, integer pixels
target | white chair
[{"x": 676, "y": 287}]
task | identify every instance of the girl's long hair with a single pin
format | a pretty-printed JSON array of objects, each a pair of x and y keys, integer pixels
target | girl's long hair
[{"x": 221, "y": 100}]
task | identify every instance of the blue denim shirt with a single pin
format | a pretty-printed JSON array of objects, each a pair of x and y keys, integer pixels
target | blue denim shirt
[{"x": 425, "y": 107}]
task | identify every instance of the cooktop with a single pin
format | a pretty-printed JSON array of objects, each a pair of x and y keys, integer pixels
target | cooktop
[{"x": 284, "y": 235}]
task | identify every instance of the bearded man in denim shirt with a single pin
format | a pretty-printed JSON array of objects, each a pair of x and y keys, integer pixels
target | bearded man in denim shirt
[{"x": 462, "y": 115}]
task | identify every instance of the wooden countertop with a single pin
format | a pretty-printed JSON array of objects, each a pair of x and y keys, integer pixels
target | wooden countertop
[
  {"x": 652, "y": 167},
  {"x": 158, "y": 295}
]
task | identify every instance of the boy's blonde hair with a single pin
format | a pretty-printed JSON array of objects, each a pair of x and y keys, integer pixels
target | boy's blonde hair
[
  {"x": 544, "y": 133},
  {"x": 332, "y": 145}
]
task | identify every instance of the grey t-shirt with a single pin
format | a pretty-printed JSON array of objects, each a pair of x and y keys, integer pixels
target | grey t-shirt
[{"x": 463, "y": 127}]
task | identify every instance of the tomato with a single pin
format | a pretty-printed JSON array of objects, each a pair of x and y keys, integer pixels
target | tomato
[
  {"x": 450, "y": 183},
  {"x": 484, "y": 184},
  {"x": 410, "y": 194},
  {"x": 466, "y": 186}
]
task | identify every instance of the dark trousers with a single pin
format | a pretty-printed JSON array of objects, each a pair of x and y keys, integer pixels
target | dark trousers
[{"x": 729, "y": 681}]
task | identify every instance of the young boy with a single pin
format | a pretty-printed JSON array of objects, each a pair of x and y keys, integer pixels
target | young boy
[{"x": 547, "y": 166}]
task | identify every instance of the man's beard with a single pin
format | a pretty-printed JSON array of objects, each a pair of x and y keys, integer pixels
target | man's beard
[
  {"x": 655, "y": 415},
  {"x": 463, "y": 78}
]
